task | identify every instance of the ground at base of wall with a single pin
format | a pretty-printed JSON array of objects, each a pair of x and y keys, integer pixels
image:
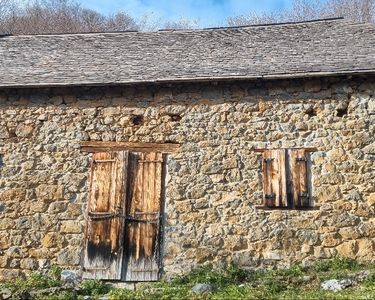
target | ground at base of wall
[{"x": 331, "y": 279}]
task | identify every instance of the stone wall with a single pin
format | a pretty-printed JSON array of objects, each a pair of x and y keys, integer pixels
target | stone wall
[{"x": 212, "y": 185}]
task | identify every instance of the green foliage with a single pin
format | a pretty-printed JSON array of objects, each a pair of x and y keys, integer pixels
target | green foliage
[
  {"x": 238, "y": 292},
  {"x": 124, "y": 294},
  {"x": 34, "y": 281},
  {"x": 231, "y": 274},
  {"x": 230, "y": 282},
  {"x": 237, "y": 275},
  {"x": 67, "y": 295},
  {"x": 55, "y": 272},
  {"x": 370, "y": 282},
  {"x": 294, "y": 271},
  {"x": 121, "y": 294},
  {"x": 274, "y": 286},
  {"x": 94, "y": 287},
  {"x": 203, "y": 275},
  {"x": 336, "y": 264}
]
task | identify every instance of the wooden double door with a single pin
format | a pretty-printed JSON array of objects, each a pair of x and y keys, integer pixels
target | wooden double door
[{"x": 124, "y": 216}]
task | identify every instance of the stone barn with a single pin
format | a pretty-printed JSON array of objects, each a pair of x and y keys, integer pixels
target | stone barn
[{"x": 135, "y": 155}]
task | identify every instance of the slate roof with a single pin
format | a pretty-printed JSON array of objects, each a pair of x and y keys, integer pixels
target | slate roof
[{"x": 315, "y": 48}]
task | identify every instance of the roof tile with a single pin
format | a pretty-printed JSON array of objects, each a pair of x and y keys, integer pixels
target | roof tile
[{"x": 325, "y": 47}]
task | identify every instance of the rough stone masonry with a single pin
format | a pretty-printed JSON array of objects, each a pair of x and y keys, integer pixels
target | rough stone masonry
[{"x": 212, "y": 186}]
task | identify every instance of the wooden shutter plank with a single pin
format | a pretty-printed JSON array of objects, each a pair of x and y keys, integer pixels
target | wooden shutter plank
[
  {"x": 299, "y": 177},
  {"x": 279, "y": 177},
  {"x": 274, "y": 178},
  {"x": 304, "y": 187},
  {"x": 294, "y": 172},
  {"x": 282, "y": 200},
  {"x": 267, "y": 175},
  {"x": 104, "y": 236}
]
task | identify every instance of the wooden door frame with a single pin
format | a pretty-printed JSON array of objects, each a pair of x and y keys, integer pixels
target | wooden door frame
[
  {"x": 99, "y": 146},
  {"x": 162, "y": 213},
  {"x": 165, "y": 149}
]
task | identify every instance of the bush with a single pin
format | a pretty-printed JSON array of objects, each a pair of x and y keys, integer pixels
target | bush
[
  {"x": 34, "y": 281},
  {"x": 336, "y": 264},
  {"x": 55, "y": 272},
  {"x": 94, "y": 287}
]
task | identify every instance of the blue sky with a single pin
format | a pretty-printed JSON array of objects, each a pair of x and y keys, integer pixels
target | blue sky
[{"x": 207, "y": 12}]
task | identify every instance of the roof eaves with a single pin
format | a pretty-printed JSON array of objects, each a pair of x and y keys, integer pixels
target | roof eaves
[{"x": 196, "y": 79}]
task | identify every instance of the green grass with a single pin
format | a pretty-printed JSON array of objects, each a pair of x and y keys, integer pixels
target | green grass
[{"x": 230, "y": 282}]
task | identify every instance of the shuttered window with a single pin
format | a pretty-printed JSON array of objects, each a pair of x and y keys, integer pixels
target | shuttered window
[
  {"x": 286, "y": 178},
  {"x": 124, "y": 212}
]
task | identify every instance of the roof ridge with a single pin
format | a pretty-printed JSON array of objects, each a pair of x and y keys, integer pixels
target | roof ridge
[
  {"x": 181, "y": 30},
  {"x": 280, "y": 23},
  {"x": 69, "y": 33}
]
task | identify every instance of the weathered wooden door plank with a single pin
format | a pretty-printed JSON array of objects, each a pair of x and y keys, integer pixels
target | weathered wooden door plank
[
  {"x": 104, "y": 241},
  {"x": 144, "y": 225}
]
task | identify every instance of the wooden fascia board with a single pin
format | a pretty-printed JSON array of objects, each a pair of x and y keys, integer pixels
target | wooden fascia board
[{"x": 98, "y": 146}]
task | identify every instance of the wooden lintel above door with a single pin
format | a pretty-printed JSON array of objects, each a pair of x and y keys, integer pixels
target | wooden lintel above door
[
  {"x": 307, "y": 149},
  {"x": 99, "y": 146}
]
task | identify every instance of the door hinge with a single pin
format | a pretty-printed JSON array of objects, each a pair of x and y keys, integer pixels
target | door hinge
[
  {"x": 106, "y": 216},
  {"x": 138, "y": 220},
  {"x": 270, "y": 196},
  {"x": 144, "y": 270},
  {"x": 137, "y": 213},
  {"x": 268, "y": 160},
  {"x": 104, "y": 160},
  {"x": 302, "y": 158}
]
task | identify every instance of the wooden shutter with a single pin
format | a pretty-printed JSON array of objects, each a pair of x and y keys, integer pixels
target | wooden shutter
[
  {"x": 143, "y": 217},
  {"x": 299, "y": 187},
  {"x": 274, "y": 178},
  {"x": 104, "y": 244}
]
